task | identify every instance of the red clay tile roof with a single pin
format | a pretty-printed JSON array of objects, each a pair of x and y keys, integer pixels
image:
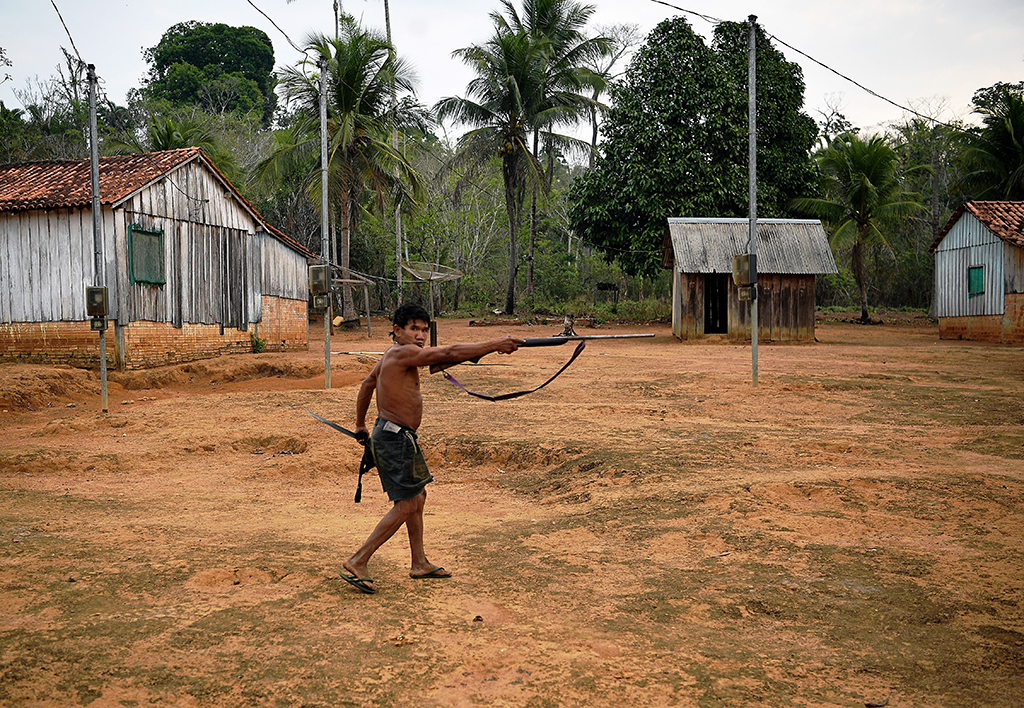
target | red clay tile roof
[
  {"x": 1004, "y": 219},
  {"x": 64, "y": 184}
]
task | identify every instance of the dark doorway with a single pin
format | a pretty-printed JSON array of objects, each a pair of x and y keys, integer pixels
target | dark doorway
[{"x": 716, "y": 303}]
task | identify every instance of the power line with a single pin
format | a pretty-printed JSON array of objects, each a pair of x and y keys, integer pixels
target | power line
[
  {"x": 271, "y": 21},
  {"x": 53, "y": 2},
  {"x": 715, "y": 21},
  {"x": 706, "y": 18}
]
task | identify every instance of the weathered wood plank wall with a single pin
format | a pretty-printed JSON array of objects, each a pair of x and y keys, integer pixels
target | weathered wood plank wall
[
  {"x": 785, "y": 309},
  {"x": 46, "y": 262},
  {"x": 218, "y": 261}
]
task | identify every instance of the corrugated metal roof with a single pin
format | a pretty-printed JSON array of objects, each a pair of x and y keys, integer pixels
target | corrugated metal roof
[
  {"x": 67, "y": 184},
  {"x": 784, "y": 246},
  {"x": 1004, "y": 219}
]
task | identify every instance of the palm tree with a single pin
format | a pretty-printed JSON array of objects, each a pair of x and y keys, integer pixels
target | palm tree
[
  {"x": 361, "y": 67},
  {"x": 502, "y": 103},
  {"x": 179, "y": 129},
  {"x": 995, "y": 154},
  {"x": 863, "y": 191},
  {"x": 557, "y": 27}
]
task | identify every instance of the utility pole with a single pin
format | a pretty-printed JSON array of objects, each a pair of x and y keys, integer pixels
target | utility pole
[
  {"x": 99, "y": 275},
  {"x": 323, "y": 220},
  {"x": 752, "y": 233},
  {"x": 394, "y": 145}
]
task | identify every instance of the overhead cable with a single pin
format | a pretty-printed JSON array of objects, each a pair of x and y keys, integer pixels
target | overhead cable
[{"x": 715, "y": 21}]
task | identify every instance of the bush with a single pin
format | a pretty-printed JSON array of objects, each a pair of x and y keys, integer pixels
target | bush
[{"x": 258, "y": 343}]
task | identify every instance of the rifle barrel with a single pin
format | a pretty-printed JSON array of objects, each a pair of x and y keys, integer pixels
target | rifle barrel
[{"x": 555, "y": 341}]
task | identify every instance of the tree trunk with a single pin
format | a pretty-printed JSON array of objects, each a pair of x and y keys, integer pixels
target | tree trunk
[
  {"x": 348, "y": 309},
  {"x": 508, "y": 168},
  {"x": 533, "y": 224},
  {"x": 857, "y": 256}
]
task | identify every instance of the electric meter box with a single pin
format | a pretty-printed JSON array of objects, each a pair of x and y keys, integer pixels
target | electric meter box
[
  {"x": 744, "y": 270},
  {"x": 96, "y": 302},
  {"x": 319, "y": 280}
]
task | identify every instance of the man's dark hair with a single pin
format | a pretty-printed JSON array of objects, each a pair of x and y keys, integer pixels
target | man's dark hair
[{"x": 408, "y": 313}]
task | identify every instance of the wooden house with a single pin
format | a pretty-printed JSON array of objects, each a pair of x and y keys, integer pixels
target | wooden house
[
  {"x": 790, "y": 253},
  {"x": 191, "y": 269},
  {"x": 979, "y": 273}
]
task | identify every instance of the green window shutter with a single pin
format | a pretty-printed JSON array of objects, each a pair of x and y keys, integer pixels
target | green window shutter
[
  {"x": 975, "y": 281},
  {"x": 146, "y": 255}
]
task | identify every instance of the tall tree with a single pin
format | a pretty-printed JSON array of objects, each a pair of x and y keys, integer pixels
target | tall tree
[
  {"x": 863, "y": 191},
  {"x": 995, "y": 152},
  {"x": 558, "y": 29},
  {"x": 501, "y": 103},
  {"x": 215, "y": 66},
  {"x": 360, "y": 69},
  {"x": 676, "y": 141}
]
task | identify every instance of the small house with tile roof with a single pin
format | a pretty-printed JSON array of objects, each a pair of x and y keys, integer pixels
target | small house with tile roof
[
  {"x": 979, "y": 273},
  {"x": 705, "y": 301},
  {"x": 191, "y": 269}
]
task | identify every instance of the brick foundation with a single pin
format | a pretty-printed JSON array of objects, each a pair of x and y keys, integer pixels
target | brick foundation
[
  {"x": 1007, "y": 328},
  {"x": 147, "y": 344}
]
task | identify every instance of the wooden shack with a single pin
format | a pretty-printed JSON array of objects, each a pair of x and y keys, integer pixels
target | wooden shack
[
  {"x": 191, "y": 269},
  {"x": 979, "y": 273},
  {"x": 705, "y": 301}
]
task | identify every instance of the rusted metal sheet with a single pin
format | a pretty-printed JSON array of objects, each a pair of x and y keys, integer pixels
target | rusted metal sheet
[{"x": 785, "y": 246}]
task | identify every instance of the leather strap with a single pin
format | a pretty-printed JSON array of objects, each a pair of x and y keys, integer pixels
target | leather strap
[{"x": 505, "y": 396}]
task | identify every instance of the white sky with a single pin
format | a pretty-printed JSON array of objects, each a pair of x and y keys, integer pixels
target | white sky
[{"x": 929, "y": 54}]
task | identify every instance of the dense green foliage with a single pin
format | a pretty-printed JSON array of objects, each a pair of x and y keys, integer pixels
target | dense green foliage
[
  {"x": 676, "y": 141},
  {"x": 995, "y": 152},
  {"x": 213, "y": 65},
  {"x": 863, "y": 191}
]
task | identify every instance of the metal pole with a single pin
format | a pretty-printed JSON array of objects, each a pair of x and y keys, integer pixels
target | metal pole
[
  {"x": 323, "y": 219},
  {"x": 99, "y": 275},
  {"x": 752, "y": 242}
]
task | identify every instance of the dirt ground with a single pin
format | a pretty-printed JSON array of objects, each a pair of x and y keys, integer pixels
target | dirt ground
[{"x": 650, "y": 529}]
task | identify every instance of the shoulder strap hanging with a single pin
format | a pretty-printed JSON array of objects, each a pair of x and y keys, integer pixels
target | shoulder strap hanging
[{"x": 517, "y": 394}]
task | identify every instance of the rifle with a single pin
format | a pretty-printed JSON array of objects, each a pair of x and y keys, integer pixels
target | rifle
[
  {"x": 545, "y": 342},
  {"x": 535, "y": 342}
]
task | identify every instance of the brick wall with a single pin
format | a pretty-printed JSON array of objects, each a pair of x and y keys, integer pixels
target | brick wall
[
  {"x": 1007, "y": 328},
  {"x": 1013, "y": 319},
  {"x": 147, "y": 344},
  {"x": 285, "y": 325},
  {"x": 54, "y": 342}
]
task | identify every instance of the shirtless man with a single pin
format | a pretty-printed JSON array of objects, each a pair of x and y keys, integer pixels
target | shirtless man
[{"x": 400, "y": 464}]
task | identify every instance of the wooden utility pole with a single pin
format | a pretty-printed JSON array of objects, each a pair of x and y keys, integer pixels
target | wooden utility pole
[
  {"x": 394, "y": 144},
  {"x": 752, "y": 237},
  {"x": 99, "y": 274},
  {"x": 324, "y": 219}
]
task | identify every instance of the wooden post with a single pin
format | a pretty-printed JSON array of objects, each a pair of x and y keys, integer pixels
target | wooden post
[
  {"x": 99, "y": 275},
  {"x": 752, "y": 238},
  {"x": 324, "y": 219}
]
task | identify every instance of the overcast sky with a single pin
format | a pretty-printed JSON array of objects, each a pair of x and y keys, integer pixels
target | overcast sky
[{"x": 928, "y": 54}]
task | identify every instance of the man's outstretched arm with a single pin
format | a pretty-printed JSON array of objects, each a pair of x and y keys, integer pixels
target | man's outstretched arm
[{"x": 455, "y": 353}]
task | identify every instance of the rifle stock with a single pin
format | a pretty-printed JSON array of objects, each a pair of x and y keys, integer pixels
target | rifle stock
[{"x": 543, "y": 342}]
